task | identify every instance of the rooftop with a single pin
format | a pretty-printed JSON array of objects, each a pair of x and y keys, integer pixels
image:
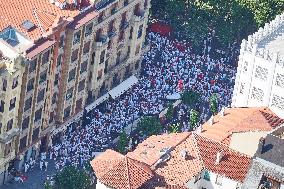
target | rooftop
[{"x": 240, "y": 120}]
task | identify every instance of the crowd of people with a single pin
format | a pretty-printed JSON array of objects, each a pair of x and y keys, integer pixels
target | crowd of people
[{"x": 162, "y": 68}]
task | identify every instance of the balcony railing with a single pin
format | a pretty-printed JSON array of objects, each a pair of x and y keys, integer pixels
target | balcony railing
[
  {"x": 124, "y": 25},
  {"x": 111, "y": 34},
  {"x": 102, "y": 39}
]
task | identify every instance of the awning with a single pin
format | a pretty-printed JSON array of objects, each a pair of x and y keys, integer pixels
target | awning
[
  {"x": 175, "y": 96},
  {"x": 97, "y": 102},
  {"x": 123, "y": 87}
]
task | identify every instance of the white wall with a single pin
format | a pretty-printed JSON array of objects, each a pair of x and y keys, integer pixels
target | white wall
[
  {"x": 100, "y": 185},
  {"x": 240, "y": 141}
]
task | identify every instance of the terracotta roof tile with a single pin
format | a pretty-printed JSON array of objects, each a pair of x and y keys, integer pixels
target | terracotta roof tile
[
  {"x": 148, "y": 150},
  {"x": 118, "y": 171},
  {"x": 240, "y": 120},
  {"x": 233, "y": 165},
  {"x": 14, "y": 13}
]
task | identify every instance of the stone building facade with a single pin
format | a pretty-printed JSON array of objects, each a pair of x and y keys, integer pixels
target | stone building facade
[
  {"x": 58, "y": 57},
  {"x": 260, "y": 75}
]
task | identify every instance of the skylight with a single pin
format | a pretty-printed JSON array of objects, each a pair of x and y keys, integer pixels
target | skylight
[{"x": 9, "y": 35}]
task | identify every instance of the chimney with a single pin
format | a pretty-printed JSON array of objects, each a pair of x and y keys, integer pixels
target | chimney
[
  {"x": 183, "y": 154},
  {"x": 222, "y": 111},
  {"x": 198, "y": 130},
  {"x": 219, "y": 157},
  {"x": 211, "y": 120},
  {"x": 260, "y": 145}
]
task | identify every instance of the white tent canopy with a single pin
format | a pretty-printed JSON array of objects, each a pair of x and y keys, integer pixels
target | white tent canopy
[
  {"x": 175, "y": 96},
  {"x": 124, "y": 86},
  {"x": 97, "y": 102}
]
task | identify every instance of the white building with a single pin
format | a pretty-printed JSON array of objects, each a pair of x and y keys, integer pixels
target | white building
[{"x": 260, "y": 75}]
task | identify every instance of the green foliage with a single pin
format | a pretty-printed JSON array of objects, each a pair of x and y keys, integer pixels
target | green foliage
[
  {"x": 175, "y": 128},
  {"x": 213, "y": 102},
  {"x": 190, "y": 98},
  {"x": 47, "y": 185},
  {"x": 194, "y": 118},
  {"x": 232, "y": 20},
  {"x": 122, "y": 143},
  {"x": 170, "y": 112},
  {"x": 149, "y": 126},
  {"x": 72, "y": 178}
]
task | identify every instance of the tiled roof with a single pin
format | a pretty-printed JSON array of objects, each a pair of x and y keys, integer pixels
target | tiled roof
[
  {"x": 233, "y": 165},
  {"x": 148, "y": 150},
  {"x": 14, "y": 13},
  {"x": 240, "y": 120},
  {"x": 120, "y": 172}
]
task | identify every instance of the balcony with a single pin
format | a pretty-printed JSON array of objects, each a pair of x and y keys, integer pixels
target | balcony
[
  {"x": 6, "y": 137},
  {"x": 111, "y": 34},
  {"x": 101, "y": 41},
  {"x": 103, "y": 3},
  {"x": 139, "y": 15},
  {"x": 124, "y": 25}
]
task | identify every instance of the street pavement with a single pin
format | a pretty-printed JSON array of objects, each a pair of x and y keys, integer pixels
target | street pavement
[{"x": 35, "y": 180}]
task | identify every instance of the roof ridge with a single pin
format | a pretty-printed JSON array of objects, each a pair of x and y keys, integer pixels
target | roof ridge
[
  {"x": 194, "y": 141},
  {"x": 127, "y": 170}
]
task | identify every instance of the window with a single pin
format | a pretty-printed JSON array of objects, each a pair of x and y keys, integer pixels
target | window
[
  {"x": 4, "y": 85},
  {"x": 9, "y": 125},
  {"x": 90, "y": 76},
  {"x": 121, "y": 35},
  {"x": 280, "y": 80},
  {"x": 69, "y": 93},
  {"x": 242, "y": 88},
  {"x": 109, "y": 44},
  {"x": 84, "y": 66},
  {"x": 113, "y": 10},
  {"x": 100, "y": 74},
  {"x": 278, "y": 102},
  {"x": 8, "y": 149},
  {"x": 72, "y": 74},
  {"x": 245, "y": 66},
  {"x": 102, "y": 57},
  {"x": 137, "y": 50},
  {"x": 30, "y": 85},
  {"x": 145, "y": 4},
  {"x": 76, "y": 38},
  {"x": 0, "y": 128},
  {"x": 257, "y": 94},
  {"x": 206, "y": 176},
  {"x": 89, "y": 29},
  {"x": 74, "y": 55},
  {"x": 140, "y": 31},
  {"x": 56, "y": 79},
  {"x": 51, "y": 117},
  {"x": 45, "y": 57},
  {"x": 2, "y": 105},
  {"x": 101, "y": 16},
  {"x": 128, "y": 51},
  {"x": 137, "y": 64},
  {"x": 93, "y": 58},
  {"x": 86, "y": 47},
  {"x": 81, "y": 85},
  {"x": 61, "y": 42},
  {"x": 28, "y": 104},
  {"x": 131, "y": 33},
  {"x": 35, "y": 134},
  {"x": 38, "y": 114},
  {"x": 54, "y": 98},
  {"x": 79, "y": 105},
  {"x": 67, "y": 112},
  {"x": 32, "y": 65},
  {"x": 15, "y": 82},
  {"x": 125, "y": 3},
  {"x": 25, "y": 123},
  {"x": 42, "y": 77},
  {"x": 12, "y": 104},
  {"x": 261, "y": 73},
  {"x": 118, "y": 58},
  {"x": 219, "y": 180},
  {"x": 40, "y": 95},
  {"x": 23, "y": 143},
  {"x": 59, "y": 60}
]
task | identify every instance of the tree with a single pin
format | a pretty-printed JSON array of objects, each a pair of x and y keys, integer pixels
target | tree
[
  {"x": 175, "y": 128},
  {"x": 190, "y": 98},
  {"x": 122, "y": 142},
  {"x": 213, "y": 102},
  {"x": 194, "y": 118},
  {"x": 170, "y": 112},
  {"x": 149, "y": 126},
  {"x": 47, "y": 185},
  {"x": 72, "y": 178}
]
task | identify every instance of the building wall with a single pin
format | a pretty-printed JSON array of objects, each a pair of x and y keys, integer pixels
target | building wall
[
  {"x": 43, "y": 104},
  {"x": 214, "y": 181},
  {"x": 260, "y": 77},
  {"x": 100, "y": 185},
  {"x": 240, "y": 141}
]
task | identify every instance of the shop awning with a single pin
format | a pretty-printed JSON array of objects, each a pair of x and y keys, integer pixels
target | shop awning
[{"x": 123, "y": 87}]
